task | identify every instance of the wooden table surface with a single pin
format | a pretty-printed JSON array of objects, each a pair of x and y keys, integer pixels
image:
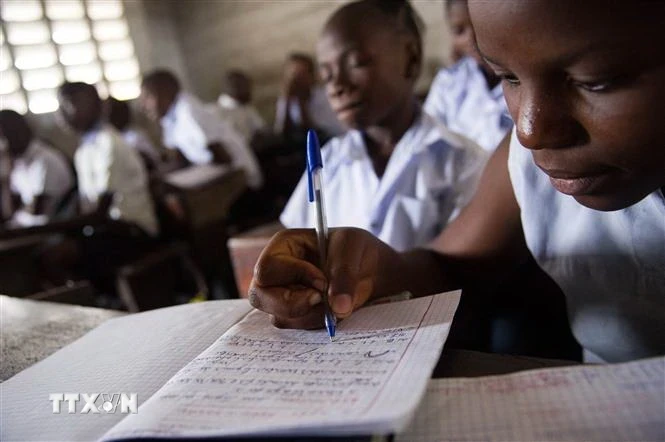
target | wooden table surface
[{"x": 32, "y": 330}]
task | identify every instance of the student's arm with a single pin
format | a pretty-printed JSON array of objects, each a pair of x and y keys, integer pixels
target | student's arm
[{"x": 483, "y": 243}]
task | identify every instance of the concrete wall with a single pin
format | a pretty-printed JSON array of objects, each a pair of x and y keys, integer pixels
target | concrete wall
[{"x": 256, "y": 35}]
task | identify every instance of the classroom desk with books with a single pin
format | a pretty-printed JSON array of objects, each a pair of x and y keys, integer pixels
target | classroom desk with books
[{"x": 244, "y": 366}]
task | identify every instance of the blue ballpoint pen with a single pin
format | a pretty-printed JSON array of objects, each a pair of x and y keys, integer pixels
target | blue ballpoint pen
[{"x": 314, "y": 167}]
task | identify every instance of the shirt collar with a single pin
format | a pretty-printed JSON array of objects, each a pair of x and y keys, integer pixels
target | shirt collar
[{"x": 228, "y": 102}]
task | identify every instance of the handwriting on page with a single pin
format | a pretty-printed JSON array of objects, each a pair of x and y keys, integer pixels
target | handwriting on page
[
  {"x": 257, "y": 379},
  {"x": 254, "y": 372}
]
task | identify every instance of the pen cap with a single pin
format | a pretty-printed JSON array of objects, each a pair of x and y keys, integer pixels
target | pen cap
[{"x": 314, "y": 160}]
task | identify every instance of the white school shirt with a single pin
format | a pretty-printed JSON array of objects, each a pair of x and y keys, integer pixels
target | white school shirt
[
  {"x": 190, "y": 126},
  {"x": 41, "y": 170},
  {"x": 322, "y": 115},
  {"x": 431, "y": 175},
  {"x": 459, "y": 98},
  {"x": 610, "y": 265},
  {"x": 244, "y": 118},
  {"x": 105, "y": 163}
]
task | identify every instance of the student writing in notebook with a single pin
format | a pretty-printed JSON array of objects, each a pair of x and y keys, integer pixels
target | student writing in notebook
[
  {"x": 578, "y": 184},
  {"x": 397, "y": 173}
]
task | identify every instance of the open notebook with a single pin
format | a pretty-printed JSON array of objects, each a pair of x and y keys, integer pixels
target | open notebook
[
  {"x": 220, "y": 369},
  {"x": 592, "y": 403}
]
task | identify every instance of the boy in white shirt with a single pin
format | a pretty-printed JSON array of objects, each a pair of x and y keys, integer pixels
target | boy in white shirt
[
  {"x": 198, "y": 133},
  {"x": 106, "y": 166},
  {"x": 235, "y": 106},
  {"x": 33, "y": 171}
]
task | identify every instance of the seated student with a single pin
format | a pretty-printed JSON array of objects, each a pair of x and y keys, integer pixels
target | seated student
[
  {"x": 467, "y": 97},
  {"x": 33, "y": 171},
  {"x": 235, "y": 105},
  {"x": 303, "y": 105},
  {"x": 398, "y": 173},
  {"x": 580, "y": 184},
  {"x": 105, "y": 165},
  {"x": 120, "y": 117},
  {"x": 196, "y": 132}
]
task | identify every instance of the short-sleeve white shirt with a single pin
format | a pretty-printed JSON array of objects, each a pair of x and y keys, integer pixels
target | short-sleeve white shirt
[
  {"x": 610, "y": 265},
  {"x": 41, "y": 170},
  {"x": 190, "y": 127},
  {"x": 105, "y": 163},
  {"x": 431, "y": 175},
  {"x": 460, "y": 99}
]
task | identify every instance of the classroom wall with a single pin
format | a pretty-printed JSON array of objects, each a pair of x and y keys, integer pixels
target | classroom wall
[{"x": 256, "y": 35}]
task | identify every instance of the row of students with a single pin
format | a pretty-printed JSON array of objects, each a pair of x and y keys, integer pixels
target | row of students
[{"x": 579, "y": 184}]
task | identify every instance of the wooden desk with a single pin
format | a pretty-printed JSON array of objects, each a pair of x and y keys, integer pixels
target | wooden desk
[
  {"x": 245, "y": 250},
  {"x": 207, "y": 192},
  {"x": 32, "y": 330}
]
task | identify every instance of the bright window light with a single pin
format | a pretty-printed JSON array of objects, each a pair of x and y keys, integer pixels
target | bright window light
[
  {"x": 21, "y": 10},
  {"x": 15, "y": 102},
  {"x": 116, "y": 50},
  {"x": 121, "y": 70},
  {"x": 110, "y": 30},
  {"x": 9, "y": 82},
  {"x": 64, "y": 9},
  {"x": 43, "y": 101},
  {"x": 33, "y": 57},
  {"x": 80, "y": 53},
  {"x": 27, "y": 33},
  {"x": 103, "y": 9},
  {"x": 45, "y": 42},
  {"x": 90, "y": 73},
  {"x": 125, "y": 90},
  {"x": 42, "y": 78},
  {"x": 70, "y": 31}
]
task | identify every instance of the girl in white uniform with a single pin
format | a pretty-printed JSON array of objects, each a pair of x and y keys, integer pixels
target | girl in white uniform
[
  {"x": 579, "y": 186},
  {"x": 467, "y": 96},
  {"x": 397, "y": 173}
]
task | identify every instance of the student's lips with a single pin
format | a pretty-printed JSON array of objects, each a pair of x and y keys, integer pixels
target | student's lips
[
  {"x": 578, "y": 184},
  {"x": 350, "y": 107}
]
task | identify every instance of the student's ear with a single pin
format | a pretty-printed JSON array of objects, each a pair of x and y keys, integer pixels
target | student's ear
[{"x": 413, "y": 60}]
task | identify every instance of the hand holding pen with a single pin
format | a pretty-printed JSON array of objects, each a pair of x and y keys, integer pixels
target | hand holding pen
[{"x": 315, "y": 182}]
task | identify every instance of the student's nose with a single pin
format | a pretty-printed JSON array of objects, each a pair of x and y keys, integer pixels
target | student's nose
[
  {"x": 544, "y": 120},
  {"x": 338, "y": 81}
]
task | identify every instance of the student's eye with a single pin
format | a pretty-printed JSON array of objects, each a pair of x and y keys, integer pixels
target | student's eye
[
  {"x": 510, "y": 79},
  {"x": 595, "y": 86}
]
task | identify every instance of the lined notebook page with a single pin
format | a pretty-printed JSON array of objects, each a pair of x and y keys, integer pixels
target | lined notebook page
[
  {"x": 132, "y": 354},
  {"x": 257, "y": 379},
  {"x": 603, "y": 402}
]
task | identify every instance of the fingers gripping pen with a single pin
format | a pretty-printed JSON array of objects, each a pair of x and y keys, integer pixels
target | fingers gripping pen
[{"x": 314, "y": 168}]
